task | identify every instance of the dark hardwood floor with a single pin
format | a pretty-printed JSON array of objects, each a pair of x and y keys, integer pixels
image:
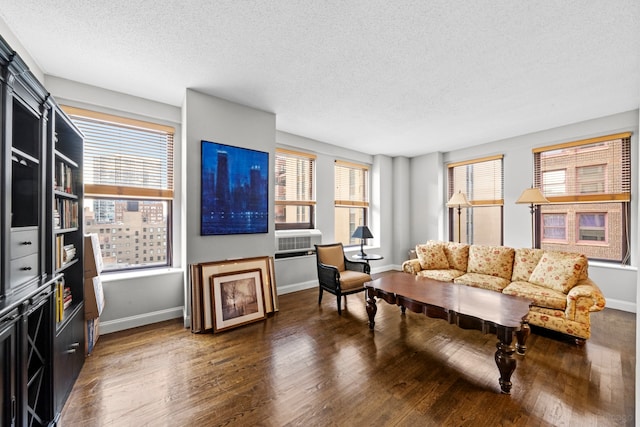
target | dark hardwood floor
[{"x": 308, "y": 366}]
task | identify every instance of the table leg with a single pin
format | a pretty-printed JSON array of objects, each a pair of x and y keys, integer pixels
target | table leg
[
  {"x": 504, "y": 358},
  {"x": 521, "y": 338},
  {"x": 372, "y": 308}
]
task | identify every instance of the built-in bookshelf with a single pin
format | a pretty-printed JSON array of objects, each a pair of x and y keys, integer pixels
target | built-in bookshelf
[
  {"x": 41, "y": 263},
  {"x": 67, "y": 240}
]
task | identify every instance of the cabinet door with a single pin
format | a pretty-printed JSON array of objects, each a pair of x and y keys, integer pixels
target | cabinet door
[
  {"x": 8, "y": 369},
  {"x": 68, "y": 356},
  {"x": 37, "y": 405}
]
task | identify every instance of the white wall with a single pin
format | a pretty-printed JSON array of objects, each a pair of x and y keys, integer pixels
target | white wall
[
  {"x": 293, "y": 274},
  {"x": 135, "y": 298},
  {"x": 428, "y": 202},
  {"x": 618, "y": 283},
  {"x": 401, "y": 200},
  {"x": 217, "y": 120}
]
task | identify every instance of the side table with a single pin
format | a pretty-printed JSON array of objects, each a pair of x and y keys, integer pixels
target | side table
[{"x": 367, "y": 257}]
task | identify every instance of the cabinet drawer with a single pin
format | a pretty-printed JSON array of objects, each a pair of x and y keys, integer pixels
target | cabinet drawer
[
  {"x": 24, "y": 242},
  {"x": 23, "y": 269}
]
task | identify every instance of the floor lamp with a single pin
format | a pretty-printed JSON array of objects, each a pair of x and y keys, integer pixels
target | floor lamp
[
  {"x": 533, "y": 197},
  {"x": 458, "y": 200}
]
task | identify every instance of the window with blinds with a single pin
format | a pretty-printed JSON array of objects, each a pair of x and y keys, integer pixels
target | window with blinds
[
  {"x": 128, "y": 176},
  {"x": 588, "y": 184},
  {"x": 294, "y": 190},
  {"x": 482, "y": 182},
  {"x": 351, "y": 200}
]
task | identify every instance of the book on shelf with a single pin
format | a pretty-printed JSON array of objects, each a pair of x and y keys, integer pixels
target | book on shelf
[
  {"x": 63, "y": 180},
  {"x": 67, "y": 210},
  {"x": 63, "y": 299},
  {"x": 64, "y": 253}
]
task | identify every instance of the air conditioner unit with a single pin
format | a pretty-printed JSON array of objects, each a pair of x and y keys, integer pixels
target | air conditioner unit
[{"x": 296, "y": 242}]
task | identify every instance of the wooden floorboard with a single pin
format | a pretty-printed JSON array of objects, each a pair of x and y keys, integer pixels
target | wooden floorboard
[{"x": 308, "y": 366}]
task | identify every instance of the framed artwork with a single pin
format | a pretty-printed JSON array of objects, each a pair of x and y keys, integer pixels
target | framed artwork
[
  {"x": 201, "y": 310},
  {"x": 237, "y": 299},
  {"x": 234, "y": 190}
]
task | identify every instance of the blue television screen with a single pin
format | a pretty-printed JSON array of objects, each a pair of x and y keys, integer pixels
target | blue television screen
[{"x": 235, "y": 190}]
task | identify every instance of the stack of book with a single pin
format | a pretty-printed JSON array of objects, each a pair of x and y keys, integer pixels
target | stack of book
[{"x": 64, "y": 253}]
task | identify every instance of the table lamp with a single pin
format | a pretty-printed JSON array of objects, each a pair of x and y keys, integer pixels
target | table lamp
[{"x": 362, "y": 233}]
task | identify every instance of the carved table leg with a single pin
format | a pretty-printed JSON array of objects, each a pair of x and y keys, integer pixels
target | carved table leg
[
  {"x": 521, "y": 338},
  {"x": 372, "y": 309},
  {"x": 504, "y": 358}
]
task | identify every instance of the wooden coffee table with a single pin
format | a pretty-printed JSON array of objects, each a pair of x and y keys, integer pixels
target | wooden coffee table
[{"x": 465, "y": 306}]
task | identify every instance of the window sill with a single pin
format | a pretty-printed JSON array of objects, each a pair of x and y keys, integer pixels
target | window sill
[
  {"x": 356, "y": 249},
  {"x": 613, "y": 266},
  {"x": 126, "y": 275}
]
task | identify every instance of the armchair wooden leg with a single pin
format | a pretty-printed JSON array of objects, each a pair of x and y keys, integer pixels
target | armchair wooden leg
[
  {"x": 320, "y": 296},
  {"x": 339, "y": 305}
]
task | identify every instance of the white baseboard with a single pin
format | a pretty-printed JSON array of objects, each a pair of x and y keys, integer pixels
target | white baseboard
[
  {"x": 109, "y": 326},
  {"x": 287, "y": 289},
  {"x": 621, "y": 305}
]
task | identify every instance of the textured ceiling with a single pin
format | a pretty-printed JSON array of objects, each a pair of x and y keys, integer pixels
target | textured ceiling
[{"x": 378, "y": 76}]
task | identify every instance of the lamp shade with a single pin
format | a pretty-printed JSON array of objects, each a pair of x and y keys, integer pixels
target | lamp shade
[
  {"x": 362, "y": 232},
  {"x": 458, "y": 200},
  {"x": 532, "y": 196}
]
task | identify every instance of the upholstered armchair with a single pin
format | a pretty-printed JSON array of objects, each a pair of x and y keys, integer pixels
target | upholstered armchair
[{"x": 339, "y": 275}]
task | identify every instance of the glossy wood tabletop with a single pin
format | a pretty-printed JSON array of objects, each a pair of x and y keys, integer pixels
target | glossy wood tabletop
[{"x": 505, "y": 310}]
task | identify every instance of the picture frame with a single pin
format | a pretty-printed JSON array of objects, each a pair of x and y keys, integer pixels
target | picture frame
[
  {"x": 237, "y": 299},
  {"x": 234, "y": 197},
  {"x": 201, "y": 310}
]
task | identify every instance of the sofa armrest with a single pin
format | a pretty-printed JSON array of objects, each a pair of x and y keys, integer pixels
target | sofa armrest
[
  {"x": 411, "y": 266},
  {"x": 583, "y": 298}
]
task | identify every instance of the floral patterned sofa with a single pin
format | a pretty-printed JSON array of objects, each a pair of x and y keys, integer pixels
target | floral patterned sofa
[{"x": 557, "y": 282}]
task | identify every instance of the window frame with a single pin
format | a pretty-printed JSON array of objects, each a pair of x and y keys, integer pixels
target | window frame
[
  {"x": 309, "y": 203},
  {"x": 613, "y": 154},
  {"x": 359, "y": 194},
  {"x": 123, "y": 193},
  {"x": 478, "y": 204},
  {"x": 605, "y": 229},
  {"x": 564, "y": 228}
]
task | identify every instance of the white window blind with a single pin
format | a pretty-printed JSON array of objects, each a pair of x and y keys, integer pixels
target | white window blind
[
  {"x": 596, "y": 170},
  {"x": 481, "y": 180},
  {"x": 352, "y": 184},
  {"x": 294, "y": 189},
  {"x": 125, "y": 157}
]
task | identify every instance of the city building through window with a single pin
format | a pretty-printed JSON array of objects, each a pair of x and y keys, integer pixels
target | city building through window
[{"x": 588, "y": 185}]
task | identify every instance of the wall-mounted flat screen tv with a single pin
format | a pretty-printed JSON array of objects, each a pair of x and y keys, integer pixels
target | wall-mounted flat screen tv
[{"x": 235, "y": 190}]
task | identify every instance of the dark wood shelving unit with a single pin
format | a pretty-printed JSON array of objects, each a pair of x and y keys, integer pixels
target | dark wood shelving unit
[{"x": 41, "y": 351}]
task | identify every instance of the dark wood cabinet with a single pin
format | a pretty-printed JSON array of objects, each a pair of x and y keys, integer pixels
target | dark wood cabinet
[
  {"x": 8, "y": 368},
  {"x": 41, "y": 262}
]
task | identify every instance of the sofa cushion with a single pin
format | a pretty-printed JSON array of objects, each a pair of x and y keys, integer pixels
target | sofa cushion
[
  {"x": 431, "y": 256},
  {"x": 446, "y": 275},
  {"x": 457, "y": 255},
  {"x": 541, "y": 296},
  {"x": 483, "y": 281},
  {"x": 491, "y": 260},
  {"x": 559, "y": 270},
  {"x": 524, "y": 262}
]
